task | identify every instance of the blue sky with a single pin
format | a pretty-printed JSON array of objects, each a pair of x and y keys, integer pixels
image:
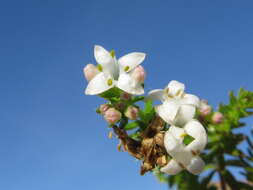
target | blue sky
[{"x": 50, "y": 136}]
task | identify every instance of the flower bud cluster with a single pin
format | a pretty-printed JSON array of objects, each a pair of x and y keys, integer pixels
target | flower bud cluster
[{"x": 114, "y": 114}]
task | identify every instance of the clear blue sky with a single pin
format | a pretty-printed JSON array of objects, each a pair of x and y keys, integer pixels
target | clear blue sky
[{"x": 50, "y": 136}]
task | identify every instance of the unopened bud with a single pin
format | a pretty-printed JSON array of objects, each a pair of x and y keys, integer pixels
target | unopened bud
[
  {"x": 139, "y": 74},
  {"x": 131, "y": 112},
  {"x": 112, "y": 115},
  {"x": 125, "y": 96},
  {"x": 204, "y": 108},
  {"x": 217, "y": 117},
  {"x": 90, "y": 71},
  {"x": 103, "y": 108}
]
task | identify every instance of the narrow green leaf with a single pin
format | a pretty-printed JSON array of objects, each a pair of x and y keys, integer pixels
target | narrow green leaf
[{"x": 131, "y": 125}]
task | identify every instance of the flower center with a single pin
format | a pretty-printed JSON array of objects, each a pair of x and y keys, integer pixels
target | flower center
[
  {"x": 126, "y": 68},
  {"x": 100, "y": 68},
  {"x": 109, "y": 82},
  {"x": 112, "y": 53},
  {"x": 183, "y": 135}
]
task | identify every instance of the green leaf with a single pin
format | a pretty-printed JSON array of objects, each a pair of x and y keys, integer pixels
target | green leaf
[
  {"x": 244, "y": 186},
  {"x": 236, "y": 163},
  {"x": 111, "y": 94},
  {"x": 136, "y": 99},
  {"x": 123, "y": 122},
  {"x": 131, "y": 125},
  {"x": 230, "y": 179},
  {"x": 147, "y": 113},
  {"x": 206, "y": 180},
  {"x": 148, "y": 107},
  {"x": 232, "y": 98},
  {"x": 249, "y": 142},
  {"x": 135, "y": 136},
  {"x": 188, "y": 139},
  {"x": 160, "y": 176}
]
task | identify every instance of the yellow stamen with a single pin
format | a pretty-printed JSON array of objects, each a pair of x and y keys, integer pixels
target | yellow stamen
[
  {"x": 167, "y": 92},
  {"x": 126, "y": 68},
  {"x": 112, "y": 53},
  {"x": 110, "y": 135},
  {"x": 178, "y": 92},
  {"x": 183, "y": 135},
  {"x": 119, "y": 147},
  {"x": 100, "y": 68},
  {"x": 109, "y": 82}
]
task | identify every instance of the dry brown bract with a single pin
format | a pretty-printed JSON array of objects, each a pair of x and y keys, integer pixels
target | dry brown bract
[{"x": 150, "y": 149}]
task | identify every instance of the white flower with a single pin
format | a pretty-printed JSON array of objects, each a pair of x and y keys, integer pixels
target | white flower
[
  {"x": 185, "y": 157},
  {"x": 177, "y": 107},
  {"x": 115, "y": 73},
  {"x": 178, "y": 110}
]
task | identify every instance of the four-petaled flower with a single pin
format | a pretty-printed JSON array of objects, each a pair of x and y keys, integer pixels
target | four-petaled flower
[
  {"x": 177, "y": 107},
  {"x": 185, "y": 157},
  {"x": 122, "y": 73}
]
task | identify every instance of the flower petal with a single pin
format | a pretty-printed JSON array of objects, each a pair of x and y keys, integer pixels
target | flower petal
[
  {"x": 177, "y": 132},
  {"x": 130, "y": 61},
  {"x": 182, "y": 157},
  {"x": 185, "y": 114},
  {"x": 157, "y": 94},
  {"x": 196, "y": 165},
  {"x": 198, "y": 132},
  {"x": 168, "y": 111},
  {"x": 104, "y": 58},
  {"x": 190, "y": 99},
  {"x": 171, "y": 143},
  {"x": 129, "y": 85},
  {"x": 99, "y": 84},
  {"x": 176, "y": 149},
  {"x": 175, "y": 88},
  {"x": 172, "y": 168}
]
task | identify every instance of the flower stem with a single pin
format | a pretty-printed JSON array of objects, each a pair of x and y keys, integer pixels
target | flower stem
[{"x": 222, "y": 181}]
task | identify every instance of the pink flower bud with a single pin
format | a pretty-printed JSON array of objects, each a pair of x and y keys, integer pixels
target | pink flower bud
[
  {"x": 139, "y": 74},
  {"x": 217, "y": 117},
  {"x": 131, "y": 112},
  {"x": 90, "y": 71},
  {"x": 125, "y": 96},
  {"x": 204, "y": 108},
  {"x": 112, "y": 115},
  {"x": 103, "y": 108}
]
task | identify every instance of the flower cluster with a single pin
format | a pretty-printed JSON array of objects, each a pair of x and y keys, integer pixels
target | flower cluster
[
  {"x": 178, "y": 110},
  {"x": 161, "y": 130}
]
